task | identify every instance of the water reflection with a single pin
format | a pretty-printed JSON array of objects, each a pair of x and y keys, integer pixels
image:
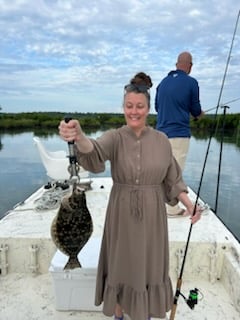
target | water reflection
[{"x": 228, "y": 203}]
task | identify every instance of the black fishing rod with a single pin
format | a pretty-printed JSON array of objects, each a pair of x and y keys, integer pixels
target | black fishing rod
[
  {"x": 220, "y": 159},
  {"x": 179, "y": 281}
]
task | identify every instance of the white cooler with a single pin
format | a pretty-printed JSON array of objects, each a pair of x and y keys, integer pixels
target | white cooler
[{"x": 75, "y": 289}]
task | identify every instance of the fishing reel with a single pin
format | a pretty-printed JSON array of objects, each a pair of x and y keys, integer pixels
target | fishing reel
[{"x": 193, "y": 298}]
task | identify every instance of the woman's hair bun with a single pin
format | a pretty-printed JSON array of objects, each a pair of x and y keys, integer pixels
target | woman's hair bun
[{"x": 142, "y": 78}]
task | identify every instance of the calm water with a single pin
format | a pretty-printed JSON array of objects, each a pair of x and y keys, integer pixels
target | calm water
[{"x": 21, "y": 172}]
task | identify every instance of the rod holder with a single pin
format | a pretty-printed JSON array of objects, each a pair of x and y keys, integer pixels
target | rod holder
[
  {"x": 213, "y": 265},
  {"x": 3, "y": 259},
  {"x": 34, "y": 266}
]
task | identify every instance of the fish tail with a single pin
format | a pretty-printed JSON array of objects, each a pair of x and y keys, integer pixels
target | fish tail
[{"x": 72, "y": 263}]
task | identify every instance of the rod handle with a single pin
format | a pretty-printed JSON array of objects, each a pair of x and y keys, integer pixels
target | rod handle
[
  {"x": 173, "y": 312},
  {"x": 70, "y": 143},
  {"x": 67, "y": 119},
  {"x": 175, "y": 301},
  {"x": 72, "y": 157}
]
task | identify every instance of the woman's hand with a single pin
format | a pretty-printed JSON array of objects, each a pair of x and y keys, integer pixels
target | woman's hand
[
  {"x": 195, "y": 216},
  {"x": 70, "y": 131}
]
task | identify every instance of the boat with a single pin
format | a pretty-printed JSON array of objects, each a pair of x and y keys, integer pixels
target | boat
[{"x": 35, "y": 286}]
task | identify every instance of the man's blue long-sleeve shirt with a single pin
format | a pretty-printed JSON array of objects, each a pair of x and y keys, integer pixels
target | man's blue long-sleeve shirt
[{"x": 177, "y": 98}]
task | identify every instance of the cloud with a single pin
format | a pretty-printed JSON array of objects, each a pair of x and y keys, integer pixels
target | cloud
[{"x": 70, "y": 55}]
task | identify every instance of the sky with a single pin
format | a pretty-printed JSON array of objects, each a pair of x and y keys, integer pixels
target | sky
[{"x": 76, "y": 56}]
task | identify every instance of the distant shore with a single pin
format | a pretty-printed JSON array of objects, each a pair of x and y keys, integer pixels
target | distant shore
[{"x": 50, "y": 120}]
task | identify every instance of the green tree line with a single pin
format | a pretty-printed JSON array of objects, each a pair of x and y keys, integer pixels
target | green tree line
[{"x": 50, "y": 120}]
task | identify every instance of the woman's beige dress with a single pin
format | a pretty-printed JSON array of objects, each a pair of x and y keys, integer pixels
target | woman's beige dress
[{"x": 133, "y": 266}]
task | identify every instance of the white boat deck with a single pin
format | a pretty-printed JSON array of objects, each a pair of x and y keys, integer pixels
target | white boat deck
[
  {"x": 32, "y": 298},
  {"x": 26, "y": 285}
]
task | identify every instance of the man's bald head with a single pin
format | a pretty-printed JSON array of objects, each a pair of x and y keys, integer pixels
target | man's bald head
[{"x": 184, "y": 62}]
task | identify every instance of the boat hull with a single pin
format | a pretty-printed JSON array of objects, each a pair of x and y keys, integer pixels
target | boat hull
[{"x": 27, "y": 252}]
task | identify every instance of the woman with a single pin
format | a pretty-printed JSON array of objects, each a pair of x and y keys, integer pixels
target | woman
[{"x": 134, "y": 259}]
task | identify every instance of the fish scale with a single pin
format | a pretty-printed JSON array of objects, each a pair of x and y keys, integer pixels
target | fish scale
[{"x": 72, "y": 226}]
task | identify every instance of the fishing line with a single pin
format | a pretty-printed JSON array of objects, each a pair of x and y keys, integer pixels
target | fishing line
[
  {"x": 228, "y": 60},
  {"x": 179, "y": 281},
  {"x": 225, "y": 103}
]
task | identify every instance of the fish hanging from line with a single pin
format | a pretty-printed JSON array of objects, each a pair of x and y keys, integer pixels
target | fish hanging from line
[{"x": 72, "y": 226}]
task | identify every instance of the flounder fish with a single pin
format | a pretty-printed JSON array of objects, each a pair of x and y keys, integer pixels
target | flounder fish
[{"x": 72, "y": 226}]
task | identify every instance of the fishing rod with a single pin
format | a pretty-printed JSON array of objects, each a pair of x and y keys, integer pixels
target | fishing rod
[
  {"x": 179, "y": 280},
  {"x": 225, "y": 103},
  {"x": 220, "y": 158}
]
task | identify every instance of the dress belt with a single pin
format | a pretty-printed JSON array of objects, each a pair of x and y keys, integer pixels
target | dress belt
[{"x": 136, "y": 198}]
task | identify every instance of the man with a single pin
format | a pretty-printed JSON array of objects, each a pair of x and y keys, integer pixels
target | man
[{"x": 177, "y": 98}]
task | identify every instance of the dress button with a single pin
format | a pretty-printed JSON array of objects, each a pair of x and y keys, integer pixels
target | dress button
[{"x": 137, "y": 181}]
